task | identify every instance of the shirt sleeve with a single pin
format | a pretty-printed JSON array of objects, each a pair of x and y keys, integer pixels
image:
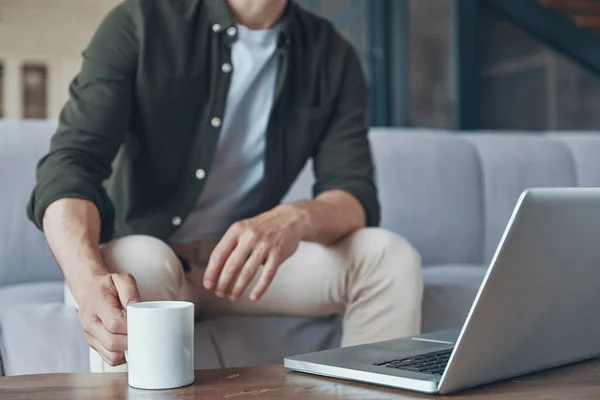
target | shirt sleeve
[
  {"x": 343, "y": 158},
  {"x": 92, "y": 124}
]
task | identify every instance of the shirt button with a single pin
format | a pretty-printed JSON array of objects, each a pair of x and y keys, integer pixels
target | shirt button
[
  {"x": 216, "y": 122},
  {"x": 177, "y": 221},
  {"x": 216, "y": 28},
  {"x": 231, "y": 31},
  {"x": 200, "y": 174},
  {"x": 226, "y": 68}
]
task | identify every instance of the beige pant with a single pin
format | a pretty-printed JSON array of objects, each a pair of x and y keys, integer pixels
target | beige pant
[{"x": 373, "y": 277}]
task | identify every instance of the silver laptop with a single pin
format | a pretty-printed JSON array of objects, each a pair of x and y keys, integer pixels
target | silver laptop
[{"x": 537, "y": 308}]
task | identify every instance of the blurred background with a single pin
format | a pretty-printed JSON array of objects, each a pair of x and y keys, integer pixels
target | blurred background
[
  {"x": 472, "y": 102},
  {"x": 462, "y": 64}
]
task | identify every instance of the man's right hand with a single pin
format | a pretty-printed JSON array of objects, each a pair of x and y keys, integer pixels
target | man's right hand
[
  {"x": 72, "y": 228},
  {"x": 101, "y": 302}
]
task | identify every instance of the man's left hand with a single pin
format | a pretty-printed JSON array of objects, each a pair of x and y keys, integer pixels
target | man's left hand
[{"x": 267, "y": 239}]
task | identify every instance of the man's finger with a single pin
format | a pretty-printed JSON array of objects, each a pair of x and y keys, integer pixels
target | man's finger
[
  {"x": 234, "y": 263},
  {"x": 248, "y": 271},
  {"x": 109, "y": 341},
  {"x": 266, "y": 276},
  {"x": 218, "y": 258},
  {"x": 111, "y": 358},
  {"x": 112, "y": 316},
  {"x": 126, "y": 288}
]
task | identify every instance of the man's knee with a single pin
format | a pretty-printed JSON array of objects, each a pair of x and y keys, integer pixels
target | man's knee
[
  {"x": 154, "y": 265},
  {"x": 389, "y": 253}
]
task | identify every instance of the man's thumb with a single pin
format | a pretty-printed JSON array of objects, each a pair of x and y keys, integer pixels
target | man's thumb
[{"x": 126, "y": 288}]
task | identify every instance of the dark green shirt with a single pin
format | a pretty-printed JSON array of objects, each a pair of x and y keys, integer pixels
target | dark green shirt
[{"x": 138, "y": 125}]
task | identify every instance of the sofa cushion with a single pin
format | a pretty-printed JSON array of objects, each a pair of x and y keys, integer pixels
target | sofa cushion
[
  {"x": 35, "y": 292},
  {"x": 510, "y": 164},
  {"x": 24, "y": 255},
  {"x": 449, "y": 294}
]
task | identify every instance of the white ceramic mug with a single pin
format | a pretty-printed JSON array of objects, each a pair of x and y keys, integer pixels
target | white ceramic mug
[{"x": 160, "y": 340}]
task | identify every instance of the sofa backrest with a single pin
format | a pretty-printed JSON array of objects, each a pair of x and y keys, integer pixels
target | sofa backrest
[
  {"x": 24, "y": 254},
  {"x": 511, "y": 163},
  {"x": 450, "y": 194},
  {"x": 429, "y": 186}
]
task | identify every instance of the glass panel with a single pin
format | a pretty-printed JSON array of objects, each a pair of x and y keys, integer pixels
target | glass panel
[
  {"x": 349, "y": 16},
  {"x": 515, "y": 81},
  {"x": 430, "y": 46},
  {"x": 575, "y": 95},
  {"x": 529, "y": 86}
]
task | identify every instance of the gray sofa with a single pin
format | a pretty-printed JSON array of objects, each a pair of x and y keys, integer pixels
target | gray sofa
[{"x": 449, "y": 194}]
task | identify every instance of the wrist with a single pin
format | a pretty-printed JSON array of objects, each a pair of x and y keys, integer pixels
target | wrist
[
  {"x": 86, "y": 277},
  {"x": 301, "y": 218}
]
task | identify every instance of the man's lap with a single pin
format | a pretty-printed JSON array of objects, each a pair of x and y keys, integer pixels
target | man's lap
[
  {"x": 309, "y": 283},
  {"x": 312, "y": 282},
  {"x": 368, "y": 274}
]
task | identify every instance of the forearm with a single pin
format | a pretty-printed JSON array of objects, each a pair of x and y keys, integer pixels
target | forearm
[
  {"x": 72, "y": 229},
  {"x": 330, "y": 216}
]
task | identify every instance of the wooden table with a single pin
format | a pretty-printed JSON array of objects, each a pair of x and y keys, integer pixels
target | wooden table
[{"x": 581, "y": 382}]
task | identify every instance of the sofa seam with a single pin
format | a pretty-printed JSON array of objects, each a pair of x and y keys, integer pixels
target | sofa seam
[
  {"x": 217, "y": 348},
  {"x": 572, "y": 156},
  {"x": 482, "y": 197}
]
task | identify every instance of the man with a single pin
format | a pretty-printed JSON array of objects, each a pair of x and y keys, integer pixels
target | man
[{"x": 209, "y": 110}]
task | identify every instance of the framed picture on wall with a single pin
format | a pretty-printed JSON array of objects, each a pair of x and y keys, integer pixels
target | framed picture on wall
[{"x": 35, "y": 91}]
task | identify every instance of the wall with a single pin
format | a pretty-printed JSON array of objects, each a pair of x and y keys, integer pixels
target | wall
[
  {"x": 526, "y": 85},
  {"x": 52, "y": 32},
  {"x": 55, "y": 32}
]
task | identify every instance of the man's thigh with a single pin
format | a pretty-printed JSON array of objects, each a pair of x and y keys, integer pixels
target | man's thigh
[{"x": 310, "y": 283}]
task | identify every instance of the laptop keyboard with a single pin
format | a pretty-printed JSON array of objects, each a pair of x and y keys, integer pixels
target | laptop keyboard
[{"x": 430, "y": 363}]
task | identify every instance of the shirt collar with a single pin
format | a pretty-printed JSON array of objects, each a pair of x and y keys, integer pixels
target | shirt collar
[{"x": 222, "y": 21}]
